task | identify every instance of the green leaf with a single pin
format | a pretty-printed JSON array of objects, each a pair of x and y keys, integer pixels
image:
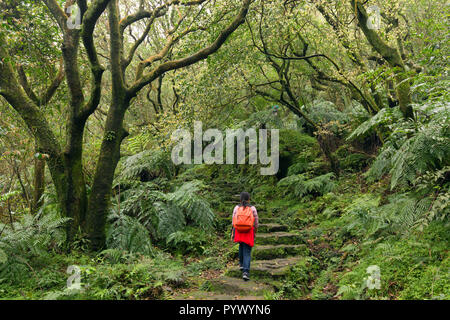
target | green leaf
[{"x": 3, "y": 257}]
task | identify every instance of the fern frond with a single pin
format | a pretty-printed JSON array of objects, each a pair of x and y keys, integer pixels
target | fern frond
[
  {"x": 300, "y": 185},
  {"x": 383, "y": 117},
  {"x": 150, "y": 163}
]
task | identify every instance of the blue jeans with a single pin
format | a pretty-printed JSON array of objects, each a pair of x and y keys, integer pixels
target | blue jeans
[{"x": 244, "y": 256}]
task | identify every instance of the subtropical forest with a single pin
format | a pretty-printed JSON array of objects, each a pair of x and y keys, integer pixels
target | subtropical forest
[{"x": 93, "y": 205}]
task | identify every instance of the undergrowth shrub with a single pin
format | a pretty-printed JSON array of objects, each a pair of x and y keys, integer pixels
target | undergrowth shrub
[
  {"x": 147, "y": 278},
  {"x": 189, "y": 241},
  {"x": 301, "y": 184},
  {"x": 296, "y": 284},
  {"x": 411, "y": 149},
  {"x": 127, "y": 233},
  {"x": 28, "y": 241},
  {"x": 409, "y": 269},
  {"x": 146, "y": 166},
  {"x": 148, "y": 213}
]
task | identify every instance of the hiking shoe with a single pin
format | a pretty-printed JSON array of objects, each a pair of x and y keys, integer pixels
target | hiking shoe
[
  {"x": 241, "y": 268},
  {"x": 246, "y": 276}
]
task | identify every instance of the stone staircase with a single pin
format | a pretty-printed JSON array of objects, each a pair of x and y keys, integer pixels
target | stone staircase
[{"x": 276, "y": 250}]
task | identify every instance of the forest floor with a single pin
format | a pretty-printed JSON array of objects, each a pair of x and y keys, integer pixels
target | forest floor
[
  {"x": 303, "y": 250},
  {"x": 275, "y": 251},
  {"x": 317, "y": 247},
  {"x": 278, "y": 250}
]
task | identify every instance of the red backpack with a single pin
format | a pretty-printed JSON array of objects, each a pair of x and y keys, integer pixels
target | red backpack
[{"x": 243, "y": 219}]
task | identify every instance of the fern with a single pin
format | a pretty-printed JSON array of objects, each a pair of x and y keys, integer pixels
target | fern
[
  {"x": 301, "y": 186},
  {"x": 165, "y": 213},
  {"x": 400, "y": 216},
  {"x": 113, "y": 255},
  {"x": 126, "y": 233},
  {"x": 384, "y": 117},
  {"x": 428, "y": 149},
  {"x": 382, "y": 163},
  {"x": 171, "y": 219},
  {"x": 29, "y": 238},
  {"x": 197, "y": 209},
  {"x": 148, "y": 163},
  {"x": 3, "y": 257},
  {"x": 411, "y": 152},
  {"x": 298, "y": 168},
  {"x": 183, "y": 206},
  {"x": 265, "y": 118},
  {"x": 188, "y": 241}
]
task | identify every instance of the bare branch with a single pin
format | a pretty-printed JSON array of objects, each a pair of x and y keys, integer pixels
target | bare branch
[
  {"x": 26, "y": 85},
  {"x": 200, "y": 55},
  {"x": 49, "y": 93},
  {"x": 90, "y": 18},
  {"x": 57, "y": 12}
]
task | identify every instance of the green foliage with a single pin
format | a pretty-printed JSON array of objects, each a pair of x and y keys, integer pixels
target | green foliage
[
  {"x": 5, "y": 197},
  {"x": 211, "y": 263},
  {"x": 299, "y": 167},
  {"x": 146, "y": 212},
  {"x": 189, "y": 241},
  {"x": 383, "y": 118},
  {"x": 324, "y": 286},
  {"x": 409, "y": 153},
  {"x": 127, "y": 233},
  {"x": 115, "y": 256},
  {"x": 145, "y": 278},
  {"x": 28, "y": 240},
  {"x": 427, "y": 149},
  {"x": 354, "y": 162},
  {"x": 297, "y": 281},
  {"x": 294, "y": 143},
  {"x": 423, "y": 274},
  {"x": 262, "y": 119},
  {"x": 325, "y": 112},
  {"x": 300, "y": 185},
  {"x": 403, "y": 214},
  {"x": 183, "y": 207},
  {"x": 146, "y": 165}
]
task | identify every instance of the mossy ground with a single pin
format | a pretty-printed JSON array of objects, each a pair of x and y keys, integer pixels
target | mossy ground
[{"x": 308, "y": 251}]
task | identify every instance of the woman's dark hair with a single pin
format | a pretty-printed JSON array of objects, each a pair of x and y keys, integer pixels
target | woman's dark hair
[{"x": 245, "y": 197}]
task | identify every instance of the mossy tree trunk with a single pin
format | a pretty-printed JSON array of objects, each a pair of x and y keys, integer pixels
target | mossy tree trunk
[
  {"x": 38, "y": 181},
  {"x": 393, "y": 58},
  {"x": 65, "y": 164}
]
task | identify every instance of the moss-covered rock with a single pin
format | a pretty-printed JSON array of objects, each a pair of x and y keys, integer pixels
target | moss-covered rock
[
  {"x": 279, "y": 238},
  {"x": 230, "y": 285},
  {"x": 267, "y": 269},
  {"x": 279, "y": 251},
  {"x": 271, "y": 227}
]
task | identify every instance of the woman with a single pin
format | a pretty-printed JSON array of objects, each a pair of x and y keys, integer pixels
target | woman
[{"x": 246, "y": 239}]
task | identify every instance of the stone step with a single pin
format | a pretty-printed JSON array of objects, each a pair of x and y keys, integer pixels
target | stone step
[
  {"x": 237, "y": 286},
  {"x": 205, "y": 295},
  {"x": 266, "y": 220},
  {"x": 266, "y": 269},
  {"x": 278, "y": 238},
  {"x": 267, "y": 252},
  {"x": 271, "y": 227}
]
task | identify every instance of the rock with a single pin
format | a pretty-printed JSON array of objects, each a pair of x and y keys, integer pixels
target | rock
[
  {"x": 271, "y": 227},
  {"x": 278, "y": 238},
  {"x": 229, "y": 285},
  {"x": 267, "y": 269},
  {"x": 266, "y": 252}
]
